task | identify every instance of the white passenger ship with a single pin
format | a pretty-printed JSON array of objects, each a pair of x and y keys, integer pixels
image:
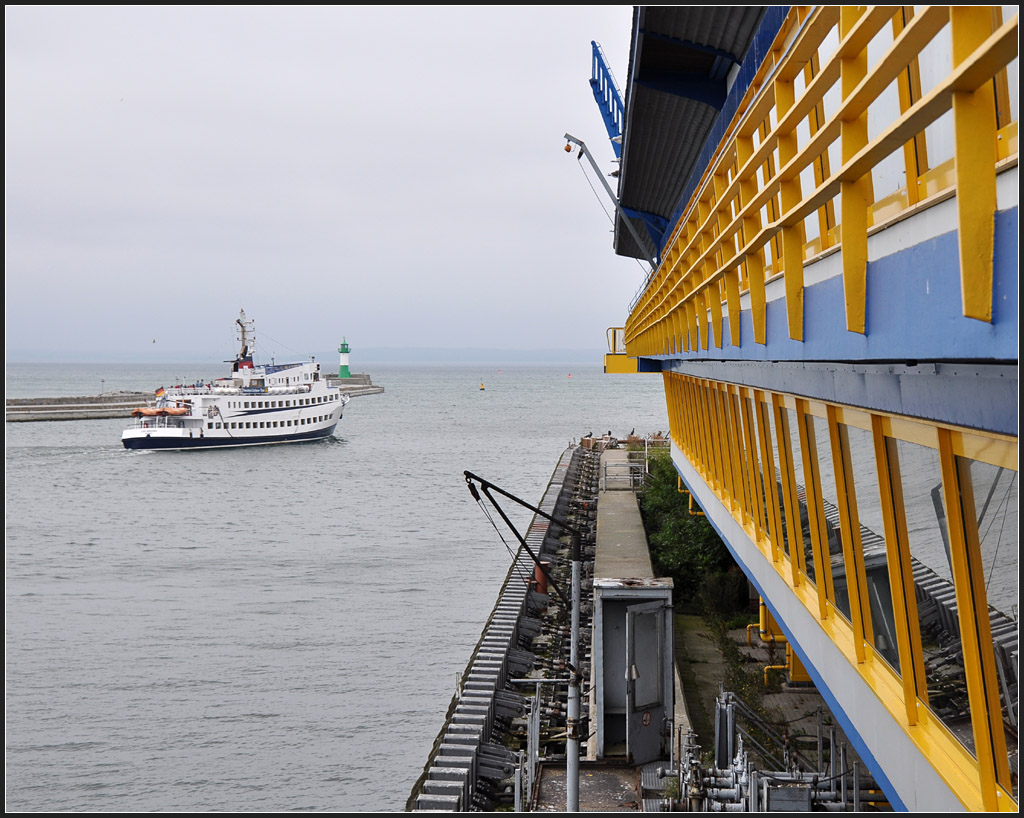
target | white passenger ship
[{"x": 256, "y": 405}]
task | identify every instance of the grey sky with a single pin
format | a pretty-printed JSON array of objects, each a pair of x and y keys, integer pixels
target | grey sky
[{"x": 392, "y": 174}]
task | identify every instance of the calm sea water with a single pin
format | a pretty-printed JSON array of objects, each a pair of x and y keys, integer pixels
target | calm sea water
[{"x": 277, "y": 628}]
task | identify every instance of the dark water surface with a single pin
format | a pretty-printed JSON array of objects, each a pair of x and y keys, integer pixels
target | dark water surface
[{"x": 276, "y": 628}]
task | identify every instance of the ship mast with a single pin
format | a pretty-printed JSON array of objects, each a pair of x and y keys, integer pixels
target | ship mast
[{"x": 245, "y": 338}]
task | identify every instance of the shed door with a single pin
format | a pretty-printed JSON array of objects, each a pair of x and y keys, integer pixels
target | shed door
[{"x": 645, "y": 696}]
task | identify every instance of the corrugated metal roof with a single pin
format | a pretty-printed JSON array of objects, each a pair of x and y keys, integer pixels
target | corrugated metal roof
[{"x": 679, "y": 62}]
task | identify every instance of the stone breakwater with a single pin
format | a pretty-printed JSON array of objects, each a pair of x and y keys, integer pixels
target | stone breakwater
[
  {"x": 121, "y": 404},
  {"x": 93, "y": 407}
]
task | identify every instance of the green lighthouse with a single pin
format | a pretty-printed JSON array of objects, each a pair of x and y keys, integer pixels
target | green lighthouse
[{"x": 343, "y": 351}]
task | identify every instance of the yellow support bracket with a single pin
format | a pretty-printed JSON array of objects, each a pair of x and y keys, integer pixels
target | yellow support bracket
[
  {"x": 974, "y": 140},
  {"x": 855, "y": 195}
]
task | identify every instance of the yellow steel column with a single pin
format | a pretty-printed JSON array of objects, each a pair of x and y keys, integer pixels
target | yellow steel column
[
  {"x": 853, "y": 557},
  {"x": 751, "y": 227},
  {"x": 714, "y": 296},
  {"x": 915, "y": 153},
  {"x": 693, "y": 337},
  {"x": 699, "y": 440},
  {"x": 975, "y": 629},
  {"x": 704, "y": 430},
  {"x": 657, "y": 339},
  {"x": 788, "y": 478},
  {"x": 707, "y": 413},
  {"x": 694, "y": 450},
  {"x": 768, "y": 174},
  {"x": 753, "y": 468},
  {"x": 974, "y": 145},
  {"x": 735, "y": 451},
  {"x": 687, "y": 241},
  {"x": 740, "y": 467},
  {"x": 665, "y": 329},
  {"x": 693, "y": 330},
  {"x": 675, "y": 426},
  {"x": 771, "y": 492},
  {"x": 679, "y": 324},
  {"x": 1000, "y": 81},
  {"x": 680, "y": 433},
  {"x": 666, "y": 382},
  {"x": 685, "y": 417},
  {"x": 704, "y": 294},
  {"x": 826, "y": 213},
  {"x": 792, "y": 234},
  {"x": 991, "y": 713},
  {"x": 901, "y": 570},
  {"x": 815, "y": 512},
  {"x": 730, "y": 279},
  {"x": 715, "y": 437},
  {"x": 725, "y": 445},
  {"x": 855, "y": 195},
  {"x": 678, "y": 329},
  {"x": 717, "y": 440}
]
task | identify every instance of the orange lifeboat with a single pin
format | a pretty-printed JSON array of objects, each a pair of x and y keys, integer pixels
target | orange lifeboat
[{"x": 152, "y": 412}]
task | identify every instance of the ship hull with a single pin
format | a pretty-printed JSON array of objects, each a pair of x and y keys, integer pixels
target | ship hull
[{"x": 158, "y": 440}]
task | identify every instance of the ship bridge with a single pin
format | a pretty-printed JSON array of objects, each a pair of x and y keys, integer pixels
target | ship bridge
[{"x": 830, "y": 196}]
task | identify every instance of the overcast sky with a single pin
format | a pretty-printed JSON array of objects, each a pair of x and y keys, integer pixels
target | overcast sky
[{"x": 394, "y": 175}]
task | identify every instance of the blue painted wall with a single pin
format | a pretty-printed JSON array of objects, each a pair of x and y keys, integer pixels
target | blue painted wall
[{"x": 914, "y": 312}]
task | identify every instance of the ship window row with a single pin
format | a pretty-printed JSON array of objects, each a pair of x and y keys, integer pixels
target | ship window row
[
  {"x": 279, "y": 404},
  {"x": 305, "y": 377},
  {"x": 268, "y": 424},
  {"x": 901, "y": 533}
]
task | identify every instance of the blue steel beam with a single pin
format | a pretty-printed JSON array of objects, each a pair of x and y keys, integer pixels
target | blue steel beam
[{"x": 656, "y": 225}]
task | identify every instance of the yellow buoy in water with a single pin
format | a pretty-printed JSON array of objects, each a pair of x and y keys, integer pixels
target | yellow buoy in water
[{"x": 481, "y": 386}]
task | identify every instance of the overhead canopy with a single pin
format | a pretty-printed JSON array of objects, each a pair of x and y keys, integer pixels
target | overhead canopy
[{"x": 683, "y": 62}]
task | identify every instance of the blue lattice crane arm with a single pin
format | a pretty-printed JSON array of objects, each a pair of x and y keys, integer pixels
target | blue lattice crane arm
[{"x": 609, "y": 100}]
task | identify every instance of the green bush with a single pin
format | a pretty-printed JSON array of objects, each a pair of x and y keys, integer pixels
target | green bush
[
  {"x": 723, "y": 593},
  {"x": 685, "y": 547}
]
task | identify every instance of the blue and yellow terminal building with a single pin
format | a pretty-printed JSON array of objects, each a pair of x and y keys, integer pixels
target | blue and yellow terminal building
[{"x": 829, "y": 196}]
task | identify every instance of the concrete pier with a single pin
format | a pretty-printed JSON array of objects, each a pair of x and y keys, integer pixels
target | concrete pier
[
  {"x": 502, "y": 700},
  {"x": 609, "y": 782},
  {"x": 621, "y": 539},
  {"x": 506, "y": 727}
]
